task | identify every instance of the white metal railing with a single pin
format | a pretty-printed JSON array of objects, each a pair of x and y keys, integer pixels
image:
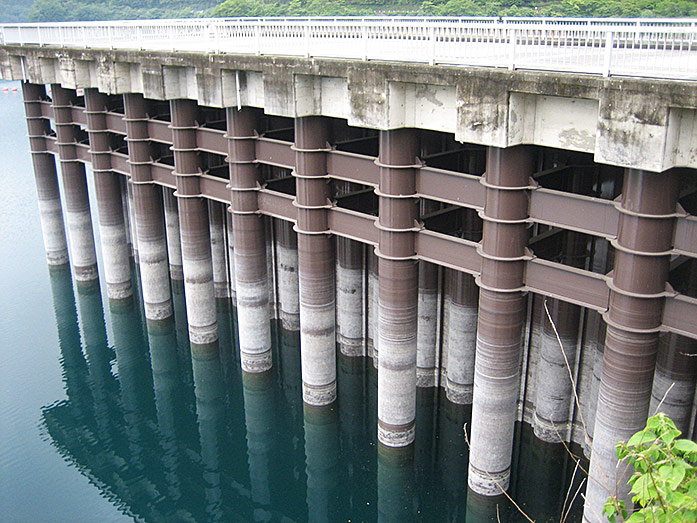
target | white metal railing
[{"x": 659, "y": 48}]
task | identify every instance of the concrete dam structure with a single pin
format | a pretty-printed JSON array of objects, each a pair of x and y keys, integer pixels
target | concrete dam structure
[{"x": 501, "y": 208}]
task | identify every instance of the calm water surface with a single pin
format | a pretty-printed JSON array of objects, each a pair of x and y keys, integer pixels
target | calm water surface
[{"x": 106, "y": 417}]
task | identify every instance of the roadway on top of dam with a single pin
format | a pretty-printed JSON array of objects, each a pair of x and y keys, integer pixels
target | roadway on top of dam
[{"x": 645, "y": 48}]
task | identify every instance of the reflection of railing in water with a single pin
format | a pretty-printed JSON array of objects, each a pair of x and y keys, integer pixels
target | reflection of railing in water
[{"x": 661, "y": 48}]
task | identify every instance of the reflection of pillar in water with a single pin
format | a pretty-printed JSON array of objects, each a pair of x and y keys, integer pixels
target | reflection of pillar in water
[
  {"x": 210, "y": 400},
  {"x": 287, "y": 269},
  {"x": 94, "y": 341},
  {"x": 452, "y": 457},
  {"x": 427, "y": 342},
  {"x": 73, "y": 362},
  {"x": 45, "y": 176},
  {"x": 259, "y": 406},
  {"x": 674, "y": 379},
  {"x": 165, "y": 374},
  {"x": 134, "y": 373},
  {"x": 322, "y": 460},
  {"x": 541, "y": 473},
  {"x": 487, "y": 508},
  {"x": 291, "y": 376},
  {"x": 462, "y": 337},
  {"x": 182, "y": 331},
  {"x": 396, "y": 491}
]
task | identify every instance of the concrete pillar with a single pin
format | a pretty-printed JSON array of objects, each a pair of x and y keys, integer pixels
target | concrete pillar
[
  {"x": 554, "y": 389},
  {"x": 397, "y": 287},
  {"x": 321, "y": 426},
  {"x": 130, "y": 217},
  {"x": 148, "y": 213},
  {"x": 218, "y": 225},
  {"x": 174, "y": 243},
  {"x": 107, "y": 184},
  {"x": 193, "y": 219},
  {"x": 427, "y": 359},
  {"x": 231, "y": 256},
  {"x": 287, "y": 270},
  {"x": 674, "y": 379},
  {"x": 372, "y": 298},
  {"x": 501, "y": 317},
  {"x": 637, "y": 291},
  {"x": 349, "y": 297},
  {"x": 462, "y": 337},
  {"x": 249, "y": 236},
  {"x": 77, "y": 204},
  {"x": 124, "y": 181},
  {"x": 45, "y": 176},
  {"x": 315, "y": 262}
]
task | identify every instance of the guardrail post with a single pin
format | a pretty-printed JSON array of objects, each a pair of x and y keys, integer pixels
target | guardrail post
[
  {"x": 432, "y": 38},
  {"x": 111, "y": 37},
  {"x": 257, "y": 37},
  {"x": 306, "y": 31},
  {"x": 364, "y": 37},
  {"x": 608, "y": 53},
  {"x": 140, "y": 37},
  {"x": 512, "y": 43}
]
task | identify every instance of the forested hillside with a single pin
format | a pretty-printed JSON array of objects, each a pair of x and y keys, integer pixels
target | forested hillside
[{"x": 60, "y": 10}]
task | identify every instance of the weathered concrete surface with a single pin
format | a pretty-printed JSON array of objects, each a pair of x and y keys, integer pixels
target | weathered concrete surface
[{"x": 640, "y": 123}]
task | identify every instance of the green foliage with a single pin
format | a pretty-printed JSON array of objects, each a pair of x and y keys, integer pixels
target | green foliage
[{"x": 664, "y": 483}]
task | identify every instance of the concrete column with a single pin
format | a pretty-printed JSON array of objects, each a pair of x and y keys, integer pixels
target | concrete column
[
  {"x": 553, "y": 391},
  {"x": 397, "y": 287},
  {"x": 372, "y": 298},
  {"x": 77, "y": 204},
  {"x": 462, "y": 337},
  {"x": 674, "y": 379},
  {"x": 217, "y": 214},
  {"x": 501, "y": 317},
  {"x": 427, "y": 328},
  {"x": 321, "y": 426},
  {"x": 287, "y": 269},
  {"x": 148, "y": 211},
  {"x": 124, "y": 181},
  {"x": 130, "y": 217},
  {"x": 349, "y": 297},
  {"x": 45, "y": 176},
  {"x": 107, "y": 184},
  {"x": 231, "y": 256},
  {"x": 637, "y": 291},
  {"x": 193, "y": 219},
  {"x": 174, "y": 243},
  {"x": 315, "y": 262},
  {"x": 249, "y": 236}
]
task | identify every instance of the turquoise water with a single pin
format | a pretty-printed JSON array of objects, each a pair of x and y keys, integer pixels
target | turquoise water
[{"x": 105, "y": 417}]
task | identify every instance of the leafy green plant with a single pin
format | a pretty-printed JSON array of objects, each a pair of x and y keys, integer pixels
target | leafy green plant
[{"x": 664, "y": 482}]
